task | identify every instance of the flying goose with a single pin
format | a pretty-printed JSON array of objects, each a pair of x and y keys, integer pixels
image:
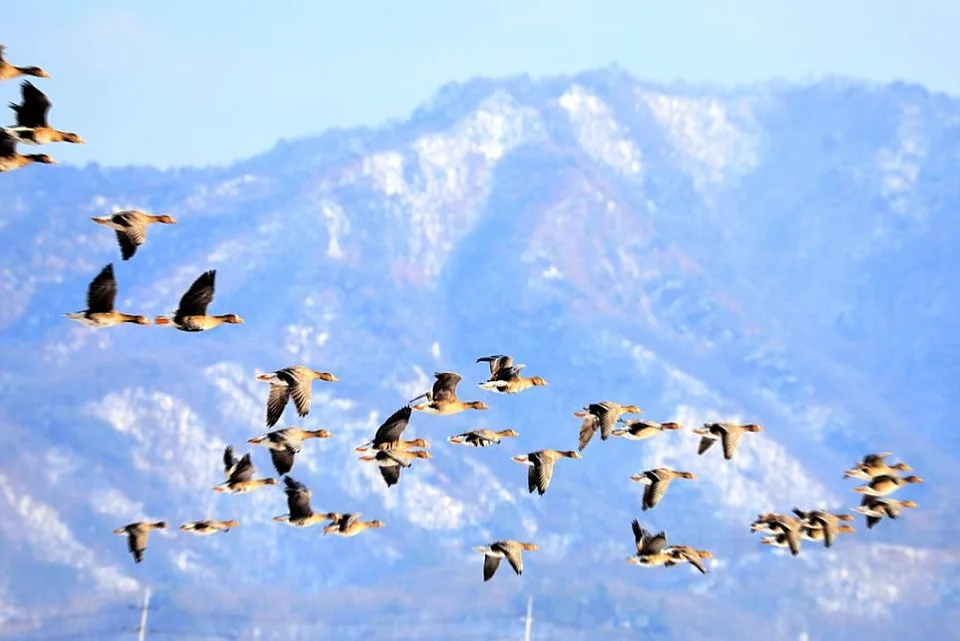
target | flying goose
[
  {"x": 508, "y": 549},
  {"x": 137, "y": 534},
  {"x": 602, "y": 416},
  {"x": 505, "y": 376},
  {"x": 285, "y": 444},
  {"x": 239, "y": 474},
  {"x": 296, "y": 382},
  {"x": 208, "y": 527},
  {"x": 101, "y": 298},
  {"x": 658, "y": 480},
  {"x": 131, "y": 228},
  {"x": 11, "y": 159},
  {"x": 191, "y": 314},
  {"x": 32, "y": 127},
  {"x": 728, "y": 433},
  {"x": 481, "y": 438},
  {"x": 300, "y": 514},
  {"x": 9, "y": 71},
  {"x": 541, "y": 467},
  {"x": 442, "y": 399}
]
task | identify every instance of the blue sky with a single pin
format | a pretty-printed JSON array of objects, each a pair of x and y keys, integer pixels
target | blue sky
[{"x": 192, "y": 83}]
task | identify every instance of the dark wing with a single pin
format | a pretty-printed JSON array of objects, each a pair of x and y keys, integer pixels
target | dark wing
[
  {"x": 532, "y": 478},
  {"x": 653, "y": 493},
  {"x": 298, "y": 498},
  {"x": 587, "y": 429},
  {"x": 391, "y": 475},
  {"x": 793, "y": 540},
  {"x": 282, "y": 460},
  {"x": 608, "y": 420},
  {"x": 8, "y": 144},
  {"x": 695, "y": 561},
  {"x": 829, "y": 533},
  {"x": 513, "y": 555},
  {"x": 128, "y": 243},
  {"x": 872, "y": 521},
  {"x": 300, "y": 390},
  {"x": 393, "y": 427},
  {"x": 229, "y": 460},
  {"x": 199, "y": 296},
  {"x": 654, "y": 544},
  {"x": 244, "y": 470},
  {"x": 33, "y": 111},
  {"x": 3, "y": 48},
  {"x": 731, "y": 439},
  {"x": 276, "y": 402},
  {"x": 490, "y": 565},
  {"x": 102, "y": 291},
  {"x": 346, "y": 520},
  {"x": 497, "y": 362},
  {"x": 638, "y": 535},
  {"x": 543, "y": 469},
  {"x": 706, "y": 442},
  {"x": 137, "y": 542},
  {"x": 445, "y": 387}
]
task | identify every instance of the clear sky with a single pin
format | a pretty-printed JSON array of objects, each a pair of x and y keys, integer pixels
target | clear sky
[{"x": 194, "y": 82}]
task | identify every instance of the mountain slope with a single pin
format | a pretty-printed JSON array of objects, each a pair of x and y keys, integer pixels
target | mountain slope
[{"x": 778, "y": 255}]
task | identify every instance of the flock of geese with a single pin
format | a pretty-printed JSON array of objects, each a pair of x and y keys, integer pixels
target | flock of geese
[{"x": 387, "y": 449}]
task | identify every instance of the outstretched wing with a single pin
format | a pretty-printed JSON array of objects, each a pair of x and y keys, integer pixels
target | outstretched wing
[
  {"x": 654, "y": 544},
  {"x": 282, "y": 460},
  {"x": 244, "y": 470},
  {"x": 391, "y": 474},
  {"x": 490, "y": 565},
  {"x": 731, "y": 440},
  {"x": 608, "y": 419},
  {"x": 301, "y": 392},
  {"x": 229, "y": 460},
  {"x": 8, "y": 144},
  {"x": 638, "y": 535},
  {"x": 543, "y": 468},
  {"x": 298, "y": 498},
  {"x": 706, "y": 442},
  {"x": 587, "y": 429},
  {"x": 32, "y": 112},
  {"x": 496, "y": 362},
  {"x": 445, "y": 387},
  {"x": 276, "y": 402},
  {"x": 393, "y": 427},
  {"x": 195, "y": 301},
  {"x": 512, "y": 554},
  {"x": 653, "y": 493},
  {"x": 102, "y": 291}
]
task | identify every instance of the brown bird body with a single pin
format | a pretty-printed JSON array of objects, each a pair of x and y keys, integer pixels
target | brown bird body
[
  {"x": 11, "y": 159},
  {"x": 239, "y": 473},
  {"x": 350, "y": 525},
  {"x": 638, "y": 429},
  {"x": 874, "y": 509},
  {"x": 285, "y": 444},
  {"x": 886, "y": 484},
  {"x": 505, "y": 376},
  {"x": 874, "y": 465},
  {"x": 602, "y": 417},
  {"x": 9, "y": 71},
  {"x": 32, "y": 127},
  {"x": 208, "y": 527},
  {"x": 481, "y": 438}
]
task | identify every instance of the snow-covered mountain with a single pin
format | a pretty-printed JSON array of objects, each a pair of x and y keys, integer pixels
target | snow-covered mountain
[{"x": 783, "y": 255}]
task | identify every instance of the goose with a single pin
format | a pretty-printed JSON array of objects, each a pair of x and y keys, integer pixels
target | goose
[
  {"x": 602, "y": 416},
  {"x": 239, "y": 474},
  {"x": 390, "y": 462},
  {"x": 442, "y": 399},
  {"x": 131, "y": 228},
  {"x": 874, "y": 509},
  {"x": 874, "y": 465},
  {"x": 137, "y": 534},
  {"x": 685, "y": 554},
  {"x": 788, "y": 527},
  {"x": 481, "y": 438},
  {"x": 638, "y": 429},
  {"x": 101, "y": 298},
  {"x": 886, "y": 484},
  {"x": 505, "y": 376},
  {"x": 728, "y": 433},
  {"x": 541, "y": 467},
  {"x": 296, "y": 382},
  {"x": 649, "y": 547},
  {"x": 9, "y": 71},
  {"x": 208, "y": 527},
  {"x": 11, "y": 159},
  {"x": 821, "y": 519},
  {"x": 300, "y": 514},
  {"x": 658, "y": 480},
  {"x": 285, "y": 444},
  {"x": 350, "y": 525},
  {"x": 191, "y": 314},
  {"x": 396, "y": 445},
  {"x": 32, "y": 127},
  {"x": 509, "y": 549}
]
